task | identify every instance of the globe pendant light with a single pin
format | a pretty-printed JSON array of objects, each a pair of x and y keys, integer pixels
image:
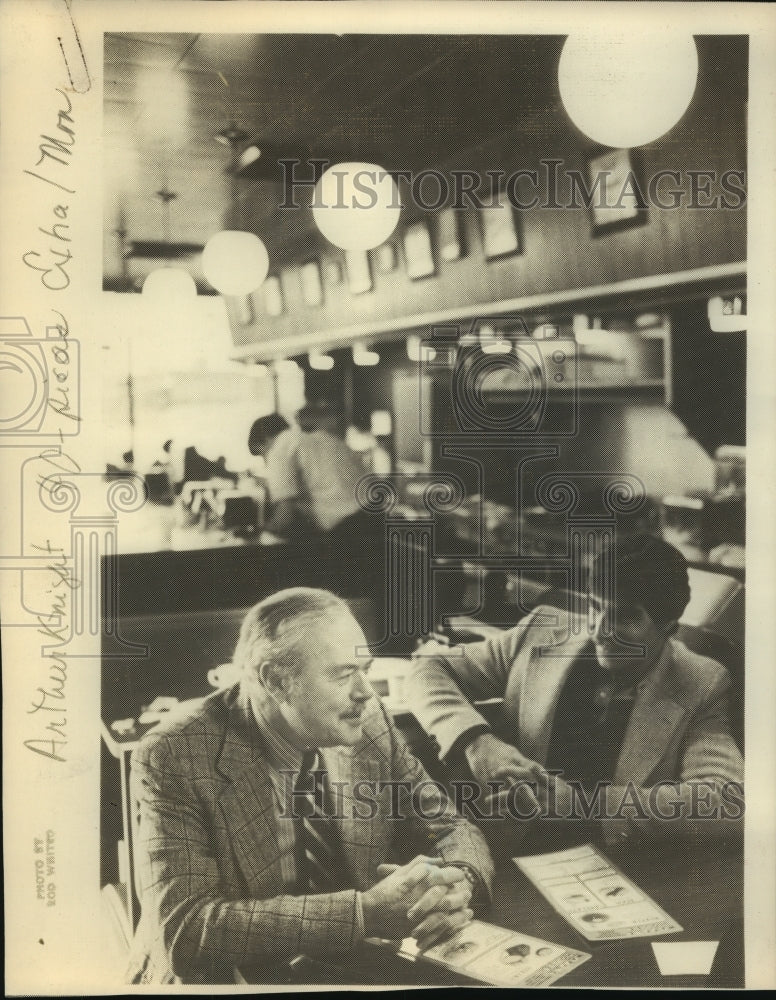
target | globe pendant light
[
  {"x": 168, "y": 282},
  {"x": 624, "y": 90},
  {"x": 356, "y": 205},
  {"x": 234, "y": 261},
  {"x": 320, "y": 362}
]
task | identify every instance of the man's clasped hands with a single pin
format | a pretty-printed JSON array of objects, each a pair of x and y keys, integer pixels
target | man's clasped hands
[{"x": 424, "y": 899}]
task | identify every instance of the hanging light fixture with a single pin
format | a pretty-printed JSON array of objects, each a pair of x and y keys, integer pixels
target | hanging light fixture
[
  {"x": 492, "y": 343},
  {"x": 364, "y": 357},
  {"x": 168, "y": 282},
  {"x": 286, "y": 366},
  {"x": 356, "y": 205},
  {"x": 234, "y": 261},
  {"x": 418, "y": 350},
  {"x": 726, "y": 315},
  {"x": 320, "y": 362},
  {"x": 627, "y": 89}
]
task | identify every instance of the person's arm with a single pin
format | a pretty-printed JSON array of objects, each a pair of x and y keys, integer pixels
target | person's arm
[
  {"x": 432, "y": 825},
  {"x": 206, "y": 926},
  {"x": 282, "y": 519},
  {"x": 442, "y": 685},
  {"x": 283, "y": 484},
  {"x": 201, "y": 921},
  {"x": 710, "y": 788}
]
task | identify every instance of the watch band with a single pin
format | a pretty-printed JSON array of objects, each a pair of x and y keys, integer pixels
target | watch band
[{"x": 479, "y": 893}]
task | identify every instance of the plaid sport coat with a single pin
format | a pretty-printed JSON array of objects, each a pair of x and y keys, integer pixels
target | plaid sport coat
[{"x": 207, "y": 858}]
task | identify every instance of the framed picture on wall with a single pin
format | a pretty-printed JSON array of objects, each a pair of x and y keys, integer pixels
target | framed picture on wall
[
  {"x": 617, "y": 200},
  {"x": 359, "y": 274},
  {"x": 385, "y": 258},
  {"x": 332, "y": 272},
  {"x": 450, "y": 239},
  {"x": 245, "y": 310},
  {"x": 500, "y": 235},
  {"x": 418, "y": 251},
  {"x": 310, "y": 280},
  {"x": 273, "y": 296}
]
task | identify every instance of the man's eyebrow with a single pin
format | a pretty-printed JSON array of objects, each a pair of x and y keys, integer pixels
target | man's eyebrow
[{"x": 353, "y": 665}]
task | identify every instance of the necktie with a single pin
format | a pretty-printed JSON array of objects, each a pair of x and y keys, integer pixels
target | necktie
[{"x": 320, "y": 860}]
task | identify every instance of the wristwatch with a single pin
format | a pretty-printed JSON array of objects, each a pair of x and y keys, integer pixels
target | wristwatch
[{"x": 479, "y": 894}]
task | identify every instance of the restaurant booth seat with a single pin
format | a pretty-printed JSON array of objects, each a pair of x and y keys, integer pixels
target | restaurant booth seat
[
  {"x": 118, "y": 928},
  {"x": 180, "y": 650}
]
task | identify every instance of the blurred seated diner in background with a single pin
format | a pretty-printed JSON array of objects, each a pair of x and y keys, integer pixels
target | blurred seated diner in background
[{"x": 311, "y": 477}]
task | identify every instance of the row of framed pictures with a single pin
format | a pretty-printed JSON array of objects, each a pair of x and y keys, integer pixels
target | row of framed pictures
[{"x": 421, "y": 249}]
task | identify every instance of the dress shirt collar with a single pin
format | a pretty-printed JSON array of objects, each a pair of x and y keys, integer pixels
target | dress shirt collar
[
  {"x": 626, "y": 684},
  {"x": 281, "y": 756}
]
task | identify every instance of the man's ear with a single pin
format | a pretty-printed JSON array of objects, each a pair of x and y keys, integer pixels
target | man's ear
[{"x": 273, "y": 680}]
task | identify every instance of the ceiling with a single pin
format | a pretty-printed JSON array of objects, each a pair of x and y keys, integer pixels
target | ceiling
[{"x": 402, "y": 101}]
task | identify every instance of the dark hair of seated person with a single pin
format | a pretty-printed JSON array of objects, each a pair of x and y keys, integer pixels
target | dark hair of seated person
[
  {"x": 647, "y": 571},
  {"x": 264, "y": 430}
]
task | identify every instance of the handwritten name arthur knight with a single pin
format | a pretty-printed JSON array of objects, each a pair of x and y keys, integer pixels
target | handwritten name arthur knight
[{"x": 49, "y": 701}]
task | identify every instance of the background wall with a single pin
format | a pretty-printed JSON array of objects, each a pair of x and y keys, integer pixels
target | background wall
[
  {"x": 166, "y": 374},
  {"x": 559, "y": 250}
]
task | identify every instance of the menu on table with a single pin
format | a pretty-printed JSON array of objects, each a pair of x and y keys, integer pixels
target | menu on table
[
  {"x": 501, "y": 957},
  {"x": 594, "y": 896}
]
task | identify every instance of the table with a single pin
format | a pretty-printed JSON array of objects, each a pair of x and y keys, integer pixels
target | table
[{"x": 701, "y": 887}]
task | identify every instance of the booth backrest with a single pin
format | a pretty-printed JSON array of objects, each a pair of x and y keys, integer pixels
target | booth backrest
[{"x": 180, "y": 651}]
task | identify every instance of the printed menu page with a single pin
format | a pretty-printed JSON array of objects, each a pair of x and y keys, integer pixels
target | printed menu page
[
  {"x": 595, "y": 897},
  {"x": 504, "y": 958}
]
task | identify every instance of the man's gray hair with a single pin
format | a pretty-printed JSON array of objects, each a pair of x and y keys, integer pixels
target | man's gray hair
[{"x": 272, "y": 629}]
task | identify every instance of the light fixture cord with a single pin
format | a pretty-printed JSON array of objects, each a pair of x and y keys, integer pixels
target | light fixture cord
[
  {"x": 166, "y": 196},
  {"x": 233, "y": 137},
  {"x": 236, "y": 207}
]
